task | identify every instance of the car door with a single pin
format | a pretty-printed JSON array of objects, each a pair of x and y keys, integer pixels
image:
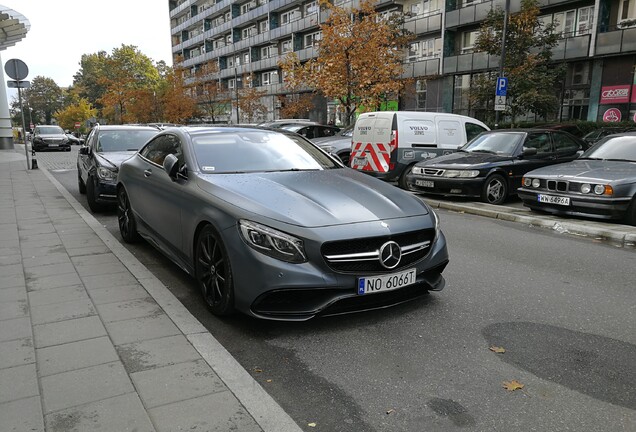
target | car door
[
  {"x": 83, "y": 164},
  {"x": 566, "y": 147},
  {"x": 542, "y": 141},
  {"x": 155, "y": 196}
]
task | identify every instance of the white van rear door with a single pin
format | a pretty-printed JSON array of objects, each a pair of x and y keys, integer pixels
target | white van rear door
[
  {"x": 371, "y": 149},
  {"x": 450, "y": 134}
]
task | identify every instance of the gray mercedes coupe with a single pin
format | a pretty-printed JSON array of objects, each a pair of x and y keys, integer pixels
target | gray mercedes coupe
[{"x": 271, "y": 225}]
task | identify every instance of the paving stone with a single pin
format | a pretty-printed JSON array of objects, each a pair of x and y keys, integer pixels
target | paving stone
[
  {"x": 49, "y": 270},
  {"x": 69, "y": 389},
  {"x": 119, "y": 413},
  {"x": 57, "y": 295},
  {"x": 196, "y": 414},
  {"x": 138, "y": 329},
  {"x": 41, "y": 240},
  {"x": 10, "y": 259},
  {"x": 67, "y": 331},
  {"x": 100, "y": 269},
  {"x": 75, "y": 355},
  {"x": 16, "y": 353},
  {"x": 12, "y": 294},
  {"x": 53, "y": 258},
  {"x": 12, "y": 281},
  {"x": 53, "y": 281},
  {"x": 81, "y": 240},
  {"x": 87, "y": 250},
  {"x": 17, "y": 328},
  {"x": 61, "y": 311},
  {"x": 14, "y": 309},
  {"x": 107, "y": 281},
  {"x": 22, "y": 415},
  {"x": 150, "y": 354},
  {"x": 118, "y": 294},
  {"x": 177, "y": 382},
  {"x": 128, "y": 310},
  {"x": 45, "y": 228},
  {"x": 40, "y": 251},
  {"x": 22, "y": 380},
  {"x": 99, "y": 259},
  {"x": 11, "y": 269}
]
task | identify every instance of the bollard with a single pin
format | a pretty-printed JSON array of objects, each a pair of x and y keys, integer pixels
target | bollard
[{"x": 34, "y": 161}]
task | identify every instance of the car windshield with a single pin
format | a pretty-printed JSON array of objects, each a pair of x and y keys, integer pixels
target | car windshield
[
  {"x": 254, "y": 150},
  {"x": 504, "y": 143},
  {"x": 50, "y": 130},
  {"x": 613, "y": 148},
  {"x": 123, "y": 140}
]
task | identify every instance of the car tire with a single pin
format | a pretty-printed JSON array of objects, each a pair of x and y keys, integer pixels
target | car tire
[
  {"x": 80, "y": 183},
  {"x": 402, "y": 180},
  {"x": 125, "y": 218},
  {"x": 495, "y": 190},
  {"x": 214, "y": 272},
  {"x": 345, "y": 157},
  {"x": 630, "y": 216},
  {"x": 91, "y": 196}
]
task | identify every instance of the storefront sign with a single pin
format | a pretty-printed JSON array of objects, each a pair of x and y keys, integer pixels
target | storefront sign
[
  {"x": 612, "y": 115},
  {"x": 633, "y": 94},
  {"x": 615, "y": 94}
]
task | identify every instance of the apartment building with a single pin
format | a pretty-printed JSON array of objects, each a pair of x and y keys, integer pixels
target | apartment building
[{"x": 597, "y": 45}]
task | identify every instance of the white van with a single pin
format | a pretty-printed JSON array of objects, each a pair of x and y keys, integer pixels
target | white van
[{"x": 387, "y": 144}]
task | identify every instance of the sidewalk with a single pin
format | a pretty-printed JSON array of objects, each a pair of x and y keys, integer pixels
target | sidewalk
[{"x": 91, "y": 340}]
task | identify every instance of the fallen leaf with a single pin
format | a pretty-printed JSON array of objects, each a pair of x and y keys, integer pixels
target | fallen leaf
[
  {"x": 391, "y": 411},
  {"x": 512, "y": 385},
  {"x": 311, "y": 424},
  {"x": 257, "y": 370},
  {"x": 498, "y": 350},
  {"x": 269, "y": 380}
]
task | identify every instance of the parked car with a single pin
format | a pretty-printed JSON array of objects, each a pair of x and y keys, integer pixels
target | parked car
[
  {"x": 599, "y": 133},
  {"x": 570, "y": 128},
  {"x": 491, "y": 166},
  {"x": 600, "y": 184},
  {"x": 50, "y": 137},
  {"x": 99, "y": 160},
  {"x": 282, "y": 122},
  {"x": 74, "y": 140},
  {"x": 271, "y": 226},
  {"x": 339, "y": 144},
  {"x": 311, "y": 131}
]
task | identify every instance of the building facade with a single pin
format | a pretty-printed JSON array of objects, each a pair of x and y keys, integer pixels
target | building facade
[{"x": 597, "y": 47}]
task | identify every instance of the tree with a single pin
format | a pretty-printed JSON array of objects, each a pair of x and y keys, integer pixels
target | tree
[
  {"x": 295, "y": 105},
  {"x": 44, "y": 96},
  {"x": 79, "y": 112},
  {"x": 250, "y": 102},
  {"x": 213, "y": 100},
  {"x": 178, "y": 105},
  {"x": 359, "y": 58},
  {"x": 87, "y": 81},
  {"x": 532, "y": 78}
]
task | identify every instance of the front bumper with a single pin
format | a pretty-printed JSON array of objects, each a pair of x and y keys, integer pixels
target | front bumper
[
  {"x": 39, "y": 146},
  {"x": 461, "y": 187},
  {"x": 587, "y": 206},
  {"x": 105, "y": 192},
  {"x": 277, "y": 290}
]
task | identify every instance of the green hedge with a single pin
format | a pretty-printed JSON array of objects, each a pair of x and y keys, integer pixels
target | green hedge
[{"x": 584, "y": 126}]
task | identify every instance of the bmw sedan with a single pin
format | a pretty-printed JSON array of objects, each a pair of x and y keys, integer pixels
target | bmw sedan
[
  {"x": 601, "y": 184},
  {"x": 272, "y": 226},
  {"x": 490, "y": 167}
]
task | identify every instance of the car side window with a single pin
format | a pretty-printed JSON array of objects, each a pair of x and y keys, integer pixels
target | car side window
[
  {"x": 540, "y": 141},
  {"x": 564, "y": 144},
  {"x": 160, "y": 147},
  {"x": 472, "y": 130}
]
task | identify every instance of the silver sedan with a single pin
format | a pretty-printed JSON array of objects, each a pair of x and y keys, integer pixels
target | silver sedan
[{"x": 271, "y": 225}]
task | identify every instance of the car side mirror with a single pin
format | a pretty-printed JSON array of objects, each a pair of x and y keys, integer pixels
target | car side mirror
[
  {"x": 171, "y": 166},
  {"x": 83, "y": 150},
  {"x": 529, "y": 151}
]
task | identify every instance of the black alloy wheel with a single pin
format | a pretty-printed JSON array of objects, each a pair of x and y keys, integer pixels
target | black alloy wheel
[
  {"x": 402, "y": 181},
  {"x": 214, "y": 273},
  {"x": 125, "y": 218},
  {"x": 495, "y": 190},
  {"x": 91, "y": 195},
  {"x": 345, "y": 158},
  {"x": 80, "y": 183}
]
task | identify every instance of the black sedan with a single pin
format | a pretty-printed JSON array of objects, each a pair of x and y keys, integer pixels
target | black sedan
[
  {"x": 491, "y": 166},
  {"x": 99, "y": 160},
  {"x": 272, "y": 226},
  {"x": 601, "y": 184}
]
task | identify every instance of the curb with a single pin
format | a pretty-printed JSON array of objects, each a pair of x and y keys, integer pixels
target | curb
[{"x": 269, "y": 415}]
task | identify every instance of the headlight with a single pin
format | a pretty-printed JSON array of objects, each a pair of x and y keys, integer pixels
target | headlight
[
  {"x": 461, "y": 173},
  {"x": 106, "y": 174},
  {"x": 599, "y": 189},
  {"x": 526, "y": 181},
  {"x": 273, "y": 243},
  {"x": 417, "y": 170},
  {"x": 586, "y": 188},
  {"x": 451, "y": 173},
  {"x": 536, "y": 183}
]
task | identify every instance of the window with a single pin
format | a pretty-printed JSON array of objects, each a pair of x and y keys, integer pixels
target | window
[
  {"x": 472, "y": 130},
  {"x": 585, "y": 20},
  {"x": 230, "y": 62},
  {"x": 286, "y": 46},
  {"x": 231, "y": 83},
  {"x": 157, "y": 150},
  {"x": 420, "y": 93},
  {"x": 414, "y": 52},
  {"x": 246, "y": 57},
  {"x": 263, "y": 26},
  {"x": 468, "y": 41},
  {"x": 563, "y": 143},
  {"x": 269, "y": 51},
  {"x": 246, "y": 7},
  {"x": 386, "y": 15},
  {"x": 228, "y": 16},
  {"x": 564, "y": 23},
  {"x": 540, "y": 141},
  {"x": 313, "y": 39},
  {"x": 289, "y": 16},
  {"x": 228, "y": 39},
  {"x": 311, "y": 8},
  {"x": 247, "y": 32},
  {"x": 431, "y": 48},
  {"x": 268, "y": 78},
  {"x": 460, "y": 94},
  {"x": 627, "y": 10},
  {"x": 580, "y": 73}
]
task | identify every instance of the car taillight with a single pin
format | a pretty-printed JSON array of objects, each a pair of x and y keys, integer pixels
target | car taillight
[{"x": 394, "y": 140}]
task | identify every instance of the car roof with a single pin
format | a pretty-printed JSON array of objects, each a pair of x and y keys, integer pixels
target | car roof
[{"x": 127, "y": 127}]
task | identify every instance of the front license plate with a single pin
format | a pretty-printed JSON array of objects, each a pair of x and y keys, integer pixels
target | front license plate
[
  {"x": 374, "y": 284},
  {"x": 424, "y": 183},
  {"x": 551, "y": 199}
]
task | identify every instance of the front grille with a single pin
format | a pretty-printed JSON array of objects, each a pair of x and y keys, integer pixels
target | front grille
[
  {"x": 434, "y": 172},
  {"x": 414, "y": 245},
  {"x": 557, "y": 185}
]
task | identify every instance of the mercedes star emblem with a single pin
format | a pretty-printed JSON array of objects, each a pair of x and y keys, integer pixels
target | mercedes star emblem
[{"x": 390, "y": 255}]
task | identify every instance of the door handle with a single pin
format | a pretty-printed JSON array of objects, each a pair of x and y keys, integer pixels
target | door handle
[{"x": 147, "y": 173}]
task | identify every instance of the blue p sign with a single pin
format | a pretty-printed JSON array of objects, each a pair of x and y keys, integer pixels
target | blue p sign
[{"x": 502, "y": 86}]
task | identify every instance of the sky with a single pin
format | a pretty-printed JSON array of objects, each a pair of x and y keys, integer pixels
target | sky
[{"x": 62, "y": 30}]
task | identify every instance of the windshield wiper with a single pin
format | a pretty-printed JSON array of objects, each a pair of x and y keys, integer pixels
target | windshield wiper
[
  {"x": 619, "y": 160},
  {"x": 483, "y": 151},
  {"x": 590, "y": 158},
  {"x": 295, "y": 170}
]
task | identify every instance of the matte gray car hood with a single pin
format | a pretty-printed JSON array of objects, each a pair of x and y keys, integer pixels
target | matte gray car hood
[
  {"x": 589, "y": 170},
  {"x": 313, "y": 198},
  {"x": 116, "y": 158}
]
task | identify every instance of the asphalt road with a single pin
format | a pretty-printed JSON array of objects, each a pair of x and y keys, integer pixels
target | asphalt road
[{"x": 562, "y": 307}]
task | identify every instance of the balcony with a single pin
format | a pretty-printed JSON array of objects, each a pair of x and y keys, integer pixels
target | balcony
[
  {"x": 616, "y": 42},
  {"x": 424, "y": 24},
  {"x": 572, "y": 47},
  {"x": 465, "y": 63},
  {"x": 421, "y": 68}
]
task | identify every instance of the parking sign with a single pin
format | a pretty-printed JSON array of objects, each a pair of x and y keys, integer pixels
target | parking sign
[{"x": 502, "y": 86}]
